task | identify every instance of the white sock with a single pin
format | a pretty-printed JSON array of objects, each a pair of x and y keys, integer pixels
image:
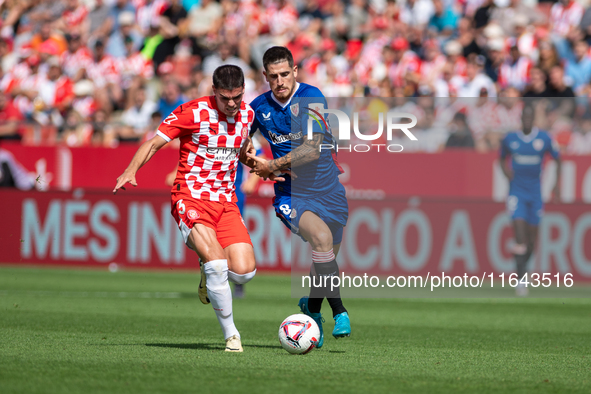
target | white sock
[{"x": 220, "y": 295}]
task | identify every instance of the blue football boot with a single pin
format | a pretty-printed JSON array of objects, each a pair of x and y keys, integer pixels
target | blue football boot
[
  {"x": 303, "y": 304},
  {"x": 342, "y": 326}
]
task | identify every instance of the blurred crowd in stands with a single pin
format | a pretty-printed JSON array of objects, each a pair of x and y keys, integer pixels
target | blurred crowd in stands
[{"x": 105, "y": 72}]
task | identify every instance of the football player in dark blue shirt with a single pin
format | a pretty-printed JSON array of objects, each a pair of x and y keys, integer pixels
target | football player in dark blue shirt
[
  {"x": 313, "y": 204},
  {"x": 527, "y": 149}
]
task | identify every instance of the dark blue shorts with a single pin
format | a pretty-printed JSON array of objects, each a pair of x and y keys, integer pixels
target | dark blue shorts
[
  {"x": 528, "y": 209},
  {"x": 332, "y": 209}
]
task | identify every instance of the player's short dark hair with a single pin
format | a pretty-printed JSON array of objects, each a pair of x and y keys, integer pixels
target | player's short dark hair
[
  {"x": 228, "y": 77},
  {"x": 275, "y": 55}
]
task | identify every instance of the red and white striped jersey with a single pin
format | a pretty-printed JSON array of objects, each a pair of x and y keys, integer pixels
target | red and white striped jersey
[
  {"x": 210, "y": 146},
  {"x": 76, "y": 17},
  {"x": 410, "y": 62},
  {"x": 15, "y": 76},
  {"x": 371, "y": 54},
  {"x": 73, "y": 62},
  {"x": 104, "y": 72},
  {"x": 149, "y": 14},
  {"x": 431, "y": 70},
  {"x": 515, "y": 74},
  {"x": 562, "y": 18},
  {"x": 136, "y": 64},
  {"x": 281, "y": 20}
]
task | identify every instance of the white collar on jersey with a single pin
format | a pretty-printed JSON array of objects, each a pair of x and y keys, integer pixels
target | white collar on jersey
[
  {"x": 283, "y": 105},
  {"x": 529, "y": 137}
]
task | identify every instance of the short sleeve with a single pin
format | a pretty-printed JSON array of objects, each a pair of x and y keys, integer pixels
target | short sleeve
[{"x": 175, "y": 124}]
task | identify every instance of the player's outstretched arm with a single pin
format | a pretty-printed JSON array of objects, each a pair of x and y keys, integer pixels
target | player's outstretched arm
[{"x": 141, "y": 157}]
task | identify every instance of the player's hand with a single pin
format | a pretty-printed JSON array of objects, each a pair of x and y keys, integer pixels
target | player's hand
[
  {"x": 260, "y": 167},
  {"x": 124, "y": 179},
  {"x": 247, "y": 148}
]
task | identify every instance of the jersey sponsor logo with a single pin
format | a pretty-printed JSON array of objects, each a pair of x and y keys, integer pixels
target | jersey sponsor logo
[
  {"x": 192, "y": 214},
  {"x": 267, "y": 116},
  {"x": 538, "y": 144},
  {"x": 278, "y": 138},
  {"x": 170, "y": 118},
  {"x": 527, "y": 159},
  {"x": 223, "y": 154},
  {"x": 295, "y": 109}
]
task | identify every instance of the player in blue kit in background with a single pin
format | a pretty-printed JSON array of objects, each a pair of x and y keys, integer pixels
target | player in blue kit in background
[
  {"x": 316, "y": 209},
  {"x": 527, "y": 149}
]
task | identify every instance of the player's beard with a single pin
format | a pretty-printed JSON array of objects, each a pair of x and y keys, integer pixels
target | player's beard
[{"x": 284, "y": 95}]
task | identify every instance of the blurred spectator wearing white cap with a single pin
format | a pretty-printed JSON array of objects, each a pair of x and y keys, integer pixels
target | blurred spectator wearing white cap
[
  {"x": 115, "y": 11},
  {"x": 116, "y": 46}
]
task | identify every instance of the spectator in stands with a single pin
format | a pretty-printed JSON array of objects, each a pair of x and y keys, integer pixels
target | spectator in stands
[
  {"x": 476, "y": 81},
  {"x": 99, "y": 24},
  {"x": 9, "y": 119},
  {"x": 77, "y": 58},
  {"x": 137, "y": 117},
  {"x": 557, "y": 87},
  {"x": 120, "y": 6},
  {"x": 205, "y": 18},
  {"x": 117, "y": 44},
  {"x": 170, "y": 99},
  {"x": 444, "y": 19},
  {"x": 173, "y": 25},
  {"x": 537, "y": 86},
  {"x": 460, "y": 136},
  {"x": 548, "y": 56},
  {"x": 578, "y": 70},
  {"x": 224, "y": 55},
  {"x": 103, "y": 70}
]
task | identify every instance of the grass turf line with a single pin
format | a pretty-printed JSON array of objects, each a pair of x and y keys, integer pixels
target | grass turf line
[{"x": 52, "y": 343}]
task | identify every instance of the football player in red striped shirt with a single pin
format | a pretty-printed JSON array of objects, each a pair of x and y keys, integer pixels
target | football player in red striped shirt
[{"x": 212, "y": 131}]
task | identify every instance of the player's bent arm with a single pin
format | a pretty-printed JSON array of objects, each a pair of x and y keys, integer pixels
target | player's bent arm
[
  {"x": 306, "y": 153},
  {"x": 507, "y": 171},
  {"x": 141, "y": 157},
  {"x": 556, "y": 189}
]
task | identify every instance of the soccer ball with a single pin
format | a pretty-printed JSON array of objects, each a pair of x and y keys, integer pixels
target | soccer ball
[{"x": 299, "y": 334}]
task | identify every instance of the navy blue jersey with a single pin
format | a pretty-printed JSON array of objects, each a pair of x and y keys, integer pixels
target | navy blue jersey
[
  {"x": 527, "y": 154},
  {"x": 284, "y": 126}
]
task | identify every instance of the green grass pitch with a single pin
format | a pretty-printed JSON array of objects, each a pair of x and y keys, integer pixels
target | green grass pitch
[{"x": 86, "y": 331}]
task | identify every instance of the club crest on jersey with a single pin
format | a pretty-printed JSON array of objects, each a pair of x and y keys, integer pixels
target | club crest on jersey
[
  {"x": 538, "y": 144},
  {"x": 267, "y": 116},
  {"x": 170, "y": 118},
  {"x": 192, "y": 214},
  {"x": 514, "y": 145},
  {"x": 244, "y": 131},
  {"x": 295, "y": 109}
]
